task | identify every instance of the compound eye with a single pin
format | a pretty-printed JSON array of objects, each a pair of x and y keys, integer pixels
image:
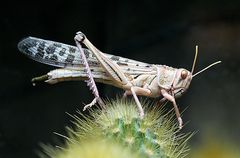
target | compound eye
[{"x": 184, "y": 74}]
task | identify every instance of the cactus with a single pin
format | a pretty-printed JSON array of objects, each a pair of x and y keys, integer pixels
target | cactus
[
  {"x": 89, "y": 149},
  {"x": 155, "y": 136}
]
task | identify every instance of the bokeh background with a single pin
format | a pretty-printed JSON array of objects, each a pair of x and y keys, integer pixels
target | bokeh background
[{"x": 153, "y": 31}]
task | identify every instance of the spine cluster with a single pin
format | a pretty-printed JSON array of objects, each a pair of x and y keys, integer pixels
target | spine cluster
[{"x": 155, "y": 136}]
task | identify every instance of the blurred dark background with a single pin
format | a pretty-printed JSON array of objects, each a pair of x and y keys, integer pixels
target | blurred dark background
[{"x": 152, "y": 31}]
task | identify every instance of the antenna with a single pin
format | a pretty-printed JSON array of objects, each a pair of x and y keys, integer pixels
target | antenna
[
  {"x": 195, "y": 59},
  {"x": 206, "y": 68}
]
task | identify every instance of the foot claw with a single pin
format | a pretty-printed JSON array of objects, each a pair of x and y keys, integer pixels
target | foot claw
[
  {"x": 180, "y": 122},
  {"x": 141, "y": 114},
  {"x": 90, "y": 104}
]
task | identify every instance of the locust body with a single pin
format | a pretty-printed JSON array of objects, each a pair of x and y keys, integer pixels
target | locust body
[{"x": 136, "y": 78}]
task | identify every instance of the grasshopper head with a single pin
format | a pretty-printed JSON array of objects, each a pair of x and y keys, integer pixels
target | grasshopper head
[
  {"x": 181, "y": 82},
  {"x": 184, "y": 77}
]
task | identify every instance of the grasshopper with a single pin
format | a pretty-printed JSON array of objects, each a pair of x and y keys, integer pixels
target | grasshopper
[{"x": 135, "y": 77}]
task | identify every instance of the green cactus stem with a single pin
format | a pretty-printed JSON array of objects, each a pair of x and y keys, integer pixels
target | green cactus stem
[{"x": 155, "y": 136}]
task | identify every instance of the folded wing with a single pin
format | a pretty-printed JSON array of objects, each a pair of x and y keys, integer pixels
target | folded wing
[{"x": 67, "y": 56}]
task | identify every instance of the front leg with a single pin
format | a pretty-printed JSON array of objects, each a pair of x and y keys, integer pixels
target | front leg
[
  {"x": 139, "y": 91},
  {"x": 172, "y": 99}
]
